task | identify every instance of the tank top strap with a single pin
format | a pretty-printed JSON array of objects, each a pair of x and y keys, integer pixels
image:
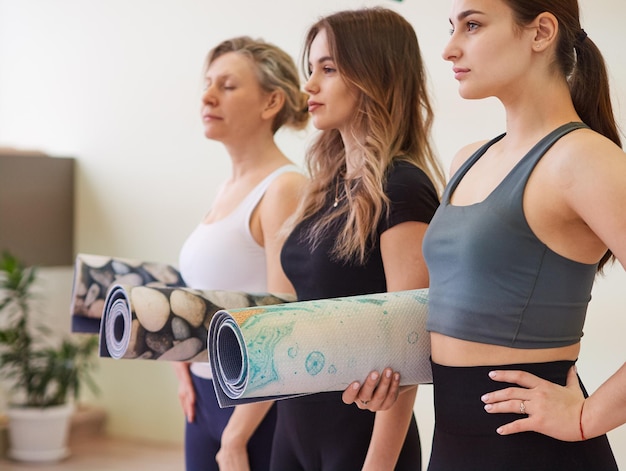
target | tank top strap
[
  {"x": 252, "y": 199},
  {"x": 465, "y": 166},
  {"x": 524, "y": 167},
  {"x": 530, "y": 160}
]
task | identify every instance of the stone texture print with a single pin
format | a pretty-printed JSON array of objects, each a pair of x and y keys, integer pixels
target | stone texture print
[
  {"x": 143, "y": 310},
  {"x": 95, "y": 274},
  {"x": 164, "y": 323}
]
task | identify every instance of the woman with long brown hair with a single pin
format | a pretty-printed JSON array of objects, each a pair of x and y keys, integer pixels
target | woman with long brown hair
[{"x": 359, "y": 229}]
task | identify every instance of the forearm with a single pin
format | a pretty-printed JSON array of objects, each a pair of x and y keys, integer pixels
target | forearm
[
  {"x": 390, "y": 429},
  {"x": 186, "y": 390},
  {"x": 243, "y": 422},
  {"x": 605, "y": 409},
  {"x": 181, "y": 370}
]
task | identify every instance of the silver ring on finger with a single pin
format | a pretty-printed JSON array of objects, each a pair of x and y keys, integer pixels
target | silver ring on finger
[{"x": 522, "y": 408}]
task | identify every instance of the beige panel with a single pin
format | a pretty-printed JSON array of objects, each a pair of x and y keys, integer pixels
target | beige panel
[{"x": 37, "y": 208}]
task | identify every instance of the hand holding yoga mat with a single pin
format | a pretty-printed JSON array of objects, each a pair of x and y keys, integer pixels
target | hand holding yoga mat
[
  {"x": 166, "y": 323},
  {"x": 281, "y": 351}
]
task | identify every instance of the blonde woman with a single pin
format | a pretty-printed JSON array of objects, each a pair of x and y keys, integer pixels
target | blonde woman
[{"x": 252, "y": 89}]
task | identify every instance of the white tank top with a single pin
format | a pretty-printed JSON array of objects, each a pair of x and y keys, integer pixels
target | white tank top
[{"x": 223, "y": 255}]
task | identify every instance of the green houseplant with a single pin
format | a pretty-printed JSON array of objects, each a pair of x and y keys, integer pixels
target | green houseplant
[{"x": 42, "y": 376}]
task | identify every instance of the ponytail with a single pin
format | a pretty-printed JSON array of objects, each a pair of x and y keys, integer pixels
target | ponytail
[
  {"x": 589, "y": 87},
  {"x": 578, "y": 59}
]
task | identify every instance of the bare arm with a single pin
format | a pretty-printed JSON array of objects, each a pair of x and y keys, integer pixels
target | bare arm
[
  {"x": 278, "y": 203},
  {"x": 401, "y": 249},
  {"x": 390, "y": 429},
  {"x": 606, "y": 408},
  {"x": 378, "y": 391},
  {"x": 186, "y": 392},
  {"x": 233, "y": 454},
  {"x": 594, "y": 190}
]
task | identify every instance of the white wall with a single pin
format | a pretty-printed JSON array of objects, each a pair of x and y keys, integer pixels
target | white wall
[{"x": 116, "y": 85}]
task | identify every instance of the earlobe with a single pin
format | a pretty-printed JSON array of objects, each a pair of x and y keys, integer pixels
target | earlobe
[{"x": 546, "y": 30}]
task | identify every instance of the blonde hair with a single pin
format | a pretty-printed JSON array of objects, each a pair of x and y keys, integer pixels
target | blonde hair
[
  {"x": 377, "y": 53},
  {"x": 276, "y": 71}
]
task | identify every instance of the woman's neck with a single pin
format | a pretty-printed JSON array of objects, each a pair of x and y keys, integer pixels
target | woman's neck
[
  {"x": 252, "y": 158},
  {"x": 534, "y": 115}
]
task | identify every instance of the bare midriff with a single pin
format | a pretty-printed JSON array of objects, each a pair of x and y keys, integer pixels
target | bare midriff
[{"x": 450, "y": 351}]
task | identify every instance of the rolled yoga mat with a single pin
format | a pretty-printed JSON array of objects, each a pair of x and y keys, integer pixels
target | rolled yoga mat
[
  {"x": 166, "y": 323},
  {"x": 95, "y": 274},
  {"x": 281, "y": 351}
]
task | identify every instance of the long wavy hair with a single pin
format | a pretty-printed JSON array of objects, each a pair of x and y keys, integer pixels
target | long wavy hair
[
  {"x": 275, "y": 71},
  {"x": 579, "y": 60},
  {"x": 377, "y": 53}
]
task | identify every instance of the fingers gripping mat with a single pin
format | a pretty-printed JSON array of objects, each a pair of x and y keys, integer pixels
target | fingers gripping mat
[{"x": 285, "y": 350}]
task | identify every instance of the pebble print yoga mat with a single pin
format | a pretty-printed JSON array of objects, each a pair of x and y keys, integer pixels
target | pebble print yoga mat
[
  {"x": 164, "y": 323},
  {"x": 143, "y": 310},
  {"x": 281, "y": 351},
  {"x": 95, "y": 274}
]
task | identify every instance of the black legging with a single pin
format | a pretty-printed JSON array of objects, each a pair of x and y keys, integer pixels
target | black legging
[
  {"x": 321, "y": 433},
  {"x": 465, "y": 437},
  {"x": 203, "y": 436}
]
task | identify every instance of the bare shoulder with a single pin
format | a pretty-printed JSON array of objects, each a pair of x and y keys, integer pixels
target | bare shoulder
[
  {"x": 590, "y": 142},
  {"x": 463, "y": 154},
  {"x": 587, "y": 153},
  {"x": 287, "y": 185},
  {"x": 284, "y": 192},
  {"x": 587, "y": 174}
]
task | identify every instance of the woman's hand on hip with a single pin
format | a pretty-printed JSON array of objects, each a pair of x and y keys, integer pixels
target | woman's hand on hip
[{"x": 544, "y": 407}]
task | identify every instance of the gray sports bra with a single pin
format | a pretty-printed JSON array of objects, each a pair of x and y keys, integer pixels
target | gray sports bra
[{"x": 491, "y": 279}]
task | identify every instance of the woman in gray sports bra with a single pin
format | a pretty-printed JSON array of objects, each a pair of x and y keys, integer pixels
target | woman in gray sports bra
[{"x": 514, "y": 247}]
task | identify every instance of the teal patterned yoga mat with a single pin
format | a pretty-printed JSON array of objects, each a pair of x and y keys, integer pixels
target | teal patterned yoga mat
[{"x": 286, "y": 350}]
